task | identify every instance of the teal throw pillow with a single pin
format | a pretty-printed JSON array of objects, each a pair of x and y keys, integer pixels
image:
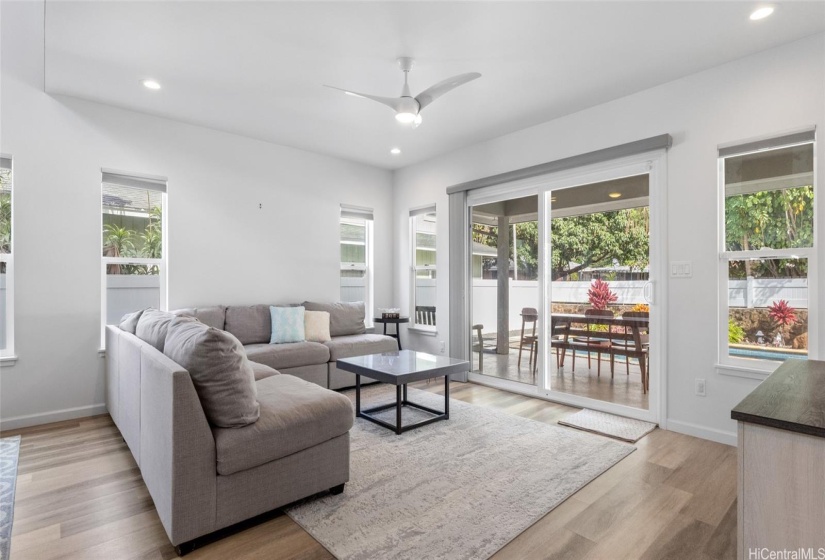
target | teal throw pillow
[{"x": 287, "y": 324}]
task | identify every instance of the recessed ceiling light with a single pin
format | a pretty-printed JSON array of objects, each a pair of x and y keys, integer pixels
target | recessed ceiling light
[
  {"x": 761, "y": 13},
  {"x": 150, "y": 84},
  {"x": 552, "y": 199},
  {"x": 615, "y": 195},
  {"x": 395, "y": 151}
]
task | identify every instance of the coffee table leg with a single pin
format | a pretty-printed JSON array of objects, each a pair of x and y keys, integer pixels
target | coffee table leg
[
  {"x": 447, "y": 397},
  {"x": 357, "y": 395},
  {"x": 398, "y": 409},
  {"x": 405, "y": 392}
]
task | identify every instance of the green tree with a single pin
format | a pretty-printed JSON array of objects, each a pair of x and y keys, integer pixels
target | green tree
[
  {"x": 600, "y": 239},
  {"x": 152, "y": 238},
  {"x": 779, "y": 219},
  {"x": 117, "y": 242}
]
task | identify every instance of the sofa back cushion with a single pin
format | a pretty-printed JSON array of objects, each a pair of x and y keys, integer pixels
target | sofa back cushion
[
  {"x": 212, "y": 316},
  {"x": 344, "y": 317},
  {"x": 152, "y": 326},
  {"x": 129, "y": 322},
  {"x": 220, "y": 371},
  {"x": 249, "y": 324}
]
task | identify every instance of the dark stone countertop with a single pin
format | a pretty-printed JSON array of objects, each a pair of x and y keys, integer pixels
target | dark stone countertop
[{"x": 791, "y": 398}]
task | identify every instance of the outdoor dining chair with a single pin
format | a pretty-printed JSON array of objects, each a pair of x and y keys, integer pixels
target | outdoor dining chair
[
  {"x": 594, "y": 341},
  {"x": 529, "y": 318}
]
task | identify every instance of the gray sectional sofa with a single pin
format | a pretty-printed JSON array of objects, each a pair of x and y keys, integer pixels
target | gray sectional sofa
[
  {"x": 312, "y": 361},
  {"x": 203, "y": 478}
]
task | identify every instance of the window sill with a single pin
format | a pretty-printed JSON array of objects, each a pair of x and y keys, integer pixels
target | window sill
[
  {"x": 426, "y": 331},
  {"x": 8, "y": 361},
  {"x": 742, "y": 371}
]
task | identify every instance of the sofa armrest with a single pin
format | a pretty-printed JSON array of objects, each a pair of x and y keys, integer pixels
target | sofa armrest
[
  {"x": 112, "y": 371},
  {"x": 177, "y": 449}
]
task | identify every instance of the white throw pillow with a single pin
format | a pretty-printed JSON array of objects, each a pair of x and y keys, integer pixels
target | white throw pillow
[{"x": 316, "y": 326}]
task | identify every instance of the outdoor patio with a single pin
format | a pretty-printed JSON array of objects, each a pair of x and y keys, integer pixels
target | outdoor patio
[{"x": 623, "y": 389}]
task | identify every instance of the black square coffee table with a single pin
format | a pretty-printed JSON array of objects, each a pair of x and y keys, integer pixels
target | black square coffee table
[{"x": 399, "y": 369}]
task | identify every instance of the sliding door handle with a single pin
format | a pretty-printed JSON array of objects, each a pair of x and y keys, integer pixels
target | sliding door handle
[{"x": 647, "y": 292}]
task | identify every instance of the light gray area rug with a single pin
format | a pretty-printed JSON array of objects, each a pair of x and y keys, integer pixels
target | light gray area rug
[
  {"x": 619, "y": 427},
  {"x": 461, "y": 488},
  {"x": 9, "y": 453}
]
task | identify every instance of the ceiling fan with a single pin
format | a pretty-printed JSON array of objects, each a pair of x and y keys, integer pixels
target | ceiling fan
[{"x": 408, "y": 108}]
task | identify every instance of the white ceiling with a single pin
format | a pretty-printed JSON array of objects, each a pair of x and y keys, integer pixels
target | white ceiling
[{"x": 257, "y": 68}]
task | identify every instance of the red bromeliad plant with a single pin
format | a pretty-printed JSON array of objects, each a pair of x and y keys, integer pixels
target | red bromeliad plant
[
  {"x": 600, "y": 295},
  {"x": 782, "y": 313}
]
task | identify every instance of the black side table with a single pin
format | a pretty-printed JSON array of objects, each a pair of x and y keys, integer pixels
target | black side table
[{"x": 397, "y": 321}]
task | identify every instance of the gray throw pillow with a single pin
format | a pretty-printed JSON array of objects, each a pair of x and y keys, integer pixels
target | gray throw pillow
[
  {"x": 345, "y": 318},
  {"x": 220, "y": 371},
  {"x": 152, "y": 326},
  {"x": 129, "y": 321}
]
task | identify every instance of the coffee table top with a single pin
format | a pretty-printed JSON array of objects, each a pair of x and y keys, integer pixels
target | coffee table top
[{"x": 402, "y": 367}]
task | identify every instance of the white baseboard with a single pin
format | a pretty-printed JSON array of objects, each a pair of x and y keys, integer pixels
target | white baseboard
[
  {"x": 695, "y": 430},
  {"x": 17, "y": 422}
]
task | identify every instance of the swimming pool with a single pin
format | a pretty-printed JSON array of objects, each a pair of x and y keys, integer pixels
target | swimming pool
[{"x": 765, "y": 354}]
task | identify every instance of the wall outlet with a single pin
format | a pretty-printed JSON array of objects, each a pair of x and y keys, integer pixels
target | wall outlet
[
  {"x": 442, "y": 346},
  {"x": 700, "y": 387}
]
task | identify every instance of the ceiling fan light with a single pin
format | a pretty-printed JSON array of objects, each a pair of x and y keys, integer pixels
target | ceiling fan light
[{"x": 406, "y": 118}]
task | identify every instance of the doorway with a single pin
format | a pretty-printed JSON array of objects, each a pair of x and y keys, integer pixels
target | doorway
[{"x": 546, "y": 251}]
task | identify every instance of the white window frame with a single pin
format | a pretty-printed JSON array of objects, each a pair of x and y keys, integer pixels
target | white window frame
[
  {"x": 365, "y": 216},
  {"x": 748, "y": 367},
  {"x": 161, "y": 263},
  {"x": 415, "y": 268},
  {"x": 7, "y": 355}
]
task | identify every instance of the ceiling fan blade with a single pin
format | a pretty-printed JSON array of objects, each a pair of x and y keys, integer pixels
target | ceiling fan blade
[
  {"x": 391, "y": 102},
  {"x": 434, "y": 92}
]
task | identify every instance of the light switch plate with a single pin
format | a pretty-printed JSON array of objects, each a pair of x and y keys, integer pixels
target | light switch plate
[{"x": 681, "y": 269}]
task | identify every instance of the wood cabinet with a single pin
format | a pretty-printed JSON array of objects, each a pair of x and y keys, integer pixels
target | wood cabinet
[{"x": 781, "y": 439}]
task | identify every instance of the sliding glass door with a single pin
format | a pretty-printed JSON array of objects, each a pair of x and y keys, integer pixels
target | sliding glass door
[{"x": 566, "y": 298}]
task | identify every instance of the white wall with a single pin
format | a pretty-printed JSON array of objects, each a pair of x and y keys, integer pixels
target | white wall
[
  {"x": 768, "y": 93},
  {"x": 222, "y": 247}
]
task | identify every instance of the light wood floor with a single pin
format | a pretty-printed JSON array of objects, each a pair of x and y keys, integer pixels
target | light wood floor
[
  {"x": 622, "y": 388},
  {"x": 80, "y": 495}
]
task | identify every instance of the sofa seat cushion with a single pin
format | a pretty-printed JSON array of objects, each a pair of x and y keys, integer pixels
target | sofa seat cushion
[
  {"x": 261, "y": 371},
  {"x": 295, "y": 415},
  {"x": 360, "y": 345},
  {"x": 291, "y": 354}
]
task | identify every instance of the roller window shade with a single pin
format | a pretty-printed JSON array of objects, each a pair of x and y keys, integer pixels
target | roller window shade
[
  {"x": 660, "y": 142},
  {"x": 5, "y": 162},
  {"x": 769, "y": 143},
  {"x": 356, "y": 213},
  {"x": 148, "y": 182},
  {"x": 422, "y": 211}
]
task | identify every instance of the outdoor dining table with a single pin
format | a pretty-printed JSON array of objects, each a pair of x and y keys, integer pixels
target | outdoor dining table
[{"x": 561, "y": 324}]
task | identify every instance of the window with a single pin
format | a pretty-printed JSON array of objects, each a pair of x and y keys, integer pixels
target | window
[
  {"x": 356, "y": 257},
  {"x": 6, "y": 261},
  {"x": 422, "y": 283},
  {"x": 766, "y": 251},
  {"x": 133, "y": 244}
]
